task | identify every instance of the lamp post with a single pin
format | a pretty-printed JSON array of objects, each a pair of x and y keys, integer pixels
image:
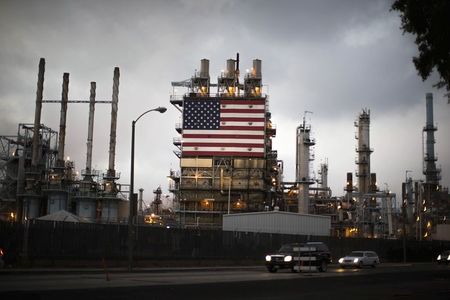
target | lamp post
[{"x": 132, "y": 198}]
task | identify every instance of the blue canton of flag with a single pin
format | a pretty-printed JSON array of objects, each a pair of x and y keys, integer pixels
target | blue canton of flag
[{"x": 201, "y": 114}]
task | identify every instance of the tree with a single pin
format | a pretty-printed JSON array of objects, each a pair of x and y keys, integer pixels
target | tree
[{"x": 429, "y": 21}]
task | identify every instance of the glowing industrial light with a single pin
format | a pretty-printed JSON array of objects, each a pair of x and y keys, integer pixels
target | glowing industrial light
[
  {"x": 417, "y": 219},
  {"x": 425, "y": 235},
  {"x": 424, "y": 208},
  {"x": 429, "y": 224},
  {"x": 68, "y": 157},
  {"x": 247, "y": 71}
]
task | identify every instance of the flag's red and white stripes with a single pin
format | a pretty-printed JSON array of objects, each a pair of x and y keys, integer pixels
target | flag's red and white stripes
[{"x": 241, "y": 132}]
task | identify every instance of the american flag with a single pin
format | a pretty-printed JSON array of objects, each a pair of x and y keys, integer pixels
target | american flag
[{"x": 216, "y": 127}]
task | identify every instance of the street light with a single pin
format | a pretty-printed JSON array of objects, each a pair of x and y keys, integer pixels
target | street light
[{"x": 132, "y": 198}]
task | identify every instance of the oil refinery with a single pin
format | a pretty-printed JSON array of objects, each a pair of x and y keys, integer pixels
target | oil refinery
[{"x": 227, "y": 166}]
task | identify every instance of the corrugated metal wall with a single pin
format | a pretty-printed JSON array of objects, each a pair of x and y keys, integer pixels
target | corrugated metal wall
[{"x": 278, "y": 222}]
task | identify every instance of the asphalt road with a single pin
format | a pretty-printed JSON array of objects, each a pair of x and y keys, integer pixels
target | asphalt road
[{"x": 389, "y": 281}]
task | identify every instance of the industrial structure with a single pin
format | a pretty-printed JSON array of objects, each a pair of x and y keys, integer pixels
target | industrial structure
[
  {"x": 36, "y": 179},
  {"x": 227, "y": 166},
  {"x": 426, "y": 204},
  {"x": 227, "y": 163},
  {"x": 364, "y": 210}
]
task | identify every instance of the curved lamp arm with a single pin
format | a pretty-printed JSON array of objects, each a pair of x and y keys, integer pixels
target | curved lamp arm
[{"x": 161, "y": 109}]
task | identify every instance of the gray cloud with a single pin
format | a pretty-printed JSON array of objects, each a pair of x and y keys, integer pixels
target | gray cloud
[{"x": 330, "y": 57}]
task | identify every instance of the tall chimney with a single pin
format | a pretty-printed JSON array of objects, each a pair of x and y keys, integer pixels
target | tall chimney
[
  {"x": 432, "y": 174},
  {"x": 112, "y": 137},
  {"x": 37, "y": 113},
  {"x": 141, "y": 199},
  {"x": 90, "y": 129},
  {"x": 364, "y": 152},
  {"x": 63, "y": 119}
]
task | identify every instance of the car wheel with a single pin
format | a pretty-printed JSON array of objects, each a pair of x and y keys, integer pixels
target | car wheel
[
  {"x": 323, "y": 266},
  {"x": 360, "y": 265},
  {"x": 374, "y": 264},
  {"x": 272, "y": 269},
  {"x": 293, "y": 270}
]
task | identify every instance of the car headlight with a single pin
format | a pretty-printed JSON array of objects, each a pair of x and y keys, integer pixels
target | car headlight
[
  {"x": 268, "y": 258},
  {"x": 287, "y": 258},
  {"x": 341, "y": 260},
  {"x": 439, "y": 257},
  {"x": 356, "y": 260}
]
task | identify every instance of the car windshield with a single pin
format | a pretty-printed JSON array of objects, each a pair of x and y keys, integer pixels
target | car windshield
[
  {"x": 357, "y": 254},
  {"x": 289, "y": 248}
]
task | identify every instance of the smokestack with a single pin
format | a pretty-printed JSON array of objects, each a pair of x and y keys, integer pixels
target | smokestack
[
  {"x": 364, "y": 152},
  {"x": 204, "y": 68},
  {"x": 373, "y": 183},
  {"x": 90, "y": 129},
  {"x": 432, "y": 174},
  {"x": 37, "y": 113},
  {"x": 62, "y": 120},
  {"x": 324, "y": 175},
  {"x": 349, "y": 186},
  {"x": 256, "y": 72},
  {"x": 141, "y": 199},
  {"x": 114, "y": 107},
  {"x": 231, "y": 64}
]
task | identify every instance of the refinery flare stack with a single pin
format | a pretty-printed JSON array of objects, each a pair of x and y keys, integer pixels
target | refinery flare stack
[{"x": 227, "y": 163}]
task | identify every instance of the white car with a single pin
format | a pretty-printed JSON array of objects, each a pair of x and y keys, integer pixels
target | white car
[{"x": 359, "y": 259}]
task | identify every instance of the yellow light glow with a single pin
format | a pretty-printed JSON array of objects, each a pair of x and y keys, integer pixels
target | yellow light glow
[{"x": 429, "y": 224}]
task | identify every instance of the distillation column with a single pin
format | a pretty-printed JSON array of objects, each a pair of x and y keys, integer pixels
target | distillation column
[
  {"x": 432, "y": 174},
  {"x": 304, "y": 144},
  {"x": 364, "y": 152}
]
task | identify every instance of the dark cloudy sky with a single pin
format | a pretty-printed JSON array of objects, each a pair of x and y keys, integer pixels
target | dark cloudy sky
[{"x": 333, "y": 58}]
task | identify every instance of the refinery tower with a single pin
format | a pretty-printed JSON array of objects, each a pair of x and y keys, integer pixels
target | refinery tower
[{"x": 227, "y": 164}]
